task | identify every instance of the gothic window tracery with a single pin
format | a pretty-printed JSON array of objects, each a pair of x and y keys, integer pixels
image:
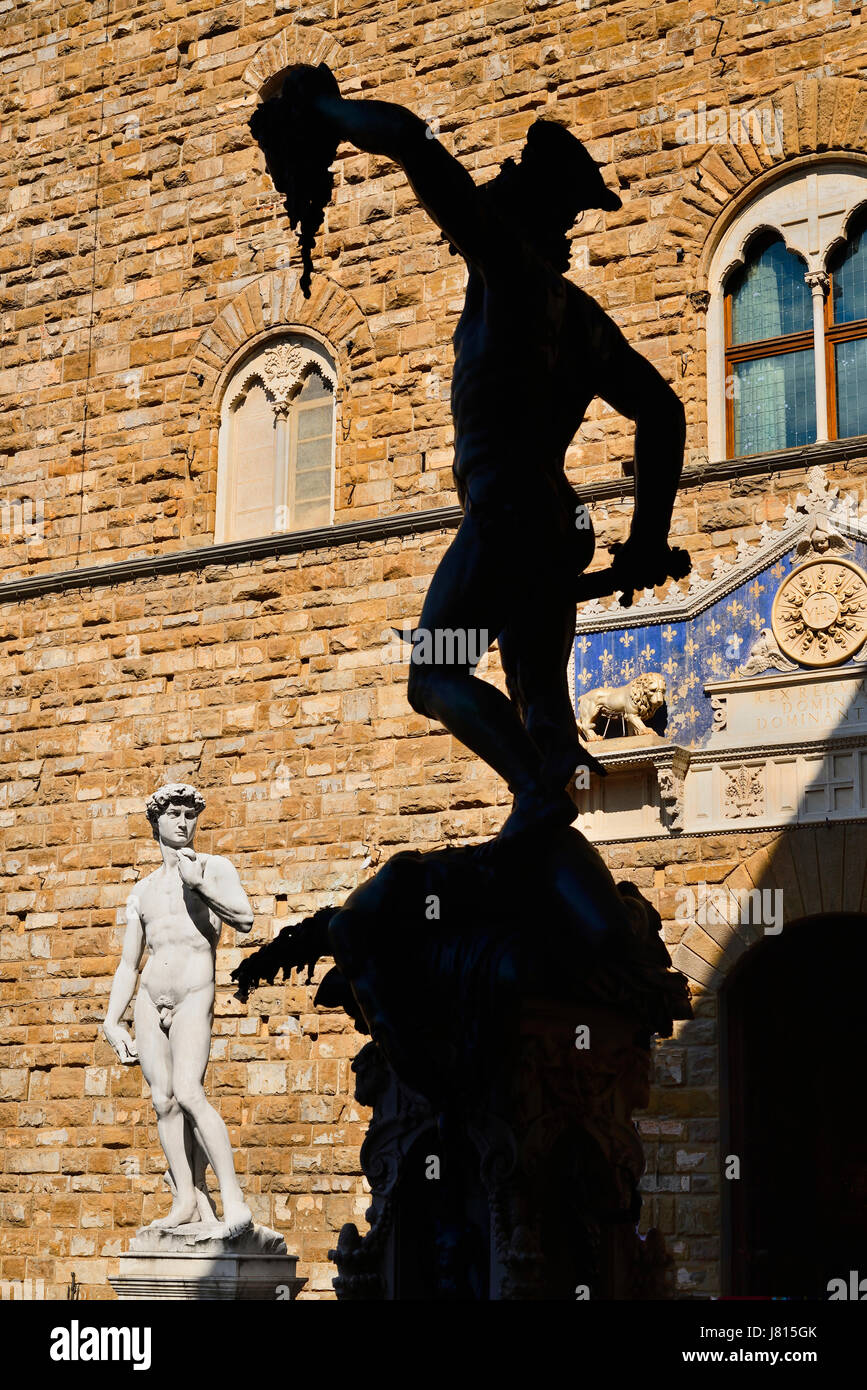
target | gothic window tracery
[
  {"x": 787, "y": 315},
  {"x": 276, "y": 452}
]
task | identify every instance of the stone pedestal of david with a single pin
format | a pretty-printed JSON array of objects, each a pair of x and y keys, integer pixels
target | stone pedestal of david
[{"x": 187, "y": 1263}]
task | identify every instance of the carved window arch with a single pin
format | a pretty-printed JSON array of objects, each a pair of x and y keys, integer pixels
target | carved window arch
[
  {"x": 787, "y": 315},
  {"x": 276, "y": 452}
]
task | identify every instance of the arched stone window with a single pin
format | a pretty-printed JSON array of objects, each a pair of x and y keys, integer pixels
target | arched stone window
[
  {"x": 276, "y": 453},
  {"x": 787, "y": 318},
  {"x": 847, "y": 332},
  {"x": 770, "y": 376}
]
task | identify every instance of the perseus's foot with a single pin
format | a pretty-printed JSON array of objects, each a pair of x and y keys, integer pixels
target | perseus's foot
[
  {"x": 183, "y": 1212},
  {"x": 236, "y": 1218},
  {"x": 537, "y": 811}
]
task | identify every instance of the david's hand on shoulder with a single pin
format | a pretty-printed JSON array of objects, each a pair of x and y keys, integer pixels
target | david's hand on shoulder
[{"x": 191, "y": 868}]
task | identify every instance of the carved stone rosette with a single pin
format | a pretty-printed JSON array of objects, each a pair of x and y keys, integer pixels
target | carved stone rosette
[{"x": 819, "y": 615}]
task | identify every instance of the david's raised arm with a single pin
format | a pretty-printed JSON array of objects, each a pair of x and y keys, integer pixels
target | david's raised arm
[{"x": 216, "y": 880}]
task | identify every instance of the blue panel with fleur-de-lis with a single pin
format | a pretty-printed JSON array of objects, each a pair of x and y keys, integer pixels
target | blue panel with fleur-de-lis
[{"x": 690, "y": 652}]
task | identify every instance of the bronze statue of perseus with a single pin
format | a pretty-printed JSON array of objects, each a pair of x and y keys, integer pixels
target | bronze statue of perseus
[{"x": 532, "y": 350}]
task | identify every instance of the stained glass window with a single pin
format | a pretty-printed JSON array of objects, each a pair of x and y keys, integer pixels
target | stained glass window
[
  {"x": 770, "y": 369},
  {"x": 847, "y": 333}
]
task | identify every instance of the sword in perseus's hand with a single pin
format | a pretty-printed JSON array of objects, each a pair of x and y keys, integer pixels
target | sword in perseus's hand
[{"x": 616, "y": 576}]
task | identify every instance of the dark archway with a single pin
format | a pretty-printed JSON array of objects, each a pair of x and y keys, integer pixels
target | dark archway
[{"x": 795, "y": 1059}]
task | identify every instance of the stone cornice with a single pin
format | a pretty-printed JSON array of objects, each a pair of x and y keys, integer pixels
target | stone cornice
[
  {"x": 231, "y": 553},
  {"x": 400, "y": 524},
  {"x": 777, "y": 680},
  {"x": 819, "y": 508}
]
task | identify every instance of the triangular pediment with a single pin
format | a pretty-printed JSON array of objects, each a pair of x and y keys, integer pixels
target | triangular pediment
[
  {"x": 722, "y": 625},
  {"x": 706, "y": 585}
]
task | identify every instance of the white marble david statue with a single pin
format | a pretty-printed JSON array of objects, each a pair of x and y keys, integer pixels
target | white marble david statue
[{"x": 176, "y": 914}]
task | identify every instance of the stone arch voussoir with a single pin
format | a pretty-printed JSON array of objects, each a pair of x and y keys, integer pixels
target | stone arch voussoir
[
  {"x": 270, "y": 303},
  {"x": 294, "y": 44},
  {"x": 818, "y": 115},
  {"x": 815, "y": 870}
]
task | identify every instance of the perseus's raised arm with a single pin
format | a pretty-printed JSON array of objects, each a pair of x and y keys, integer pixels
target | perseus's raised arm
[{"x": 442, "y": 185}]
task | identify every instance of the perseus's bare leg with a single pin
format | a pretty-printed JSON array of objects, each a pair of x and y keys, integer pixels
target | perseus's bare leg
[
  {"x": 156, "y": 1064},
  {"x": 465, "y": 596},
  {"x": 190, "y": 1041},
  {"x": 475, "y": 589}
]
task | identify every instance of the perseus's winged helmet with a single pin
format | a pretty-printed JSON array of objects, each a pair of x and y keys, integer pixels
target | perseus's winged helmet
[{"x": 561, "y": 164}]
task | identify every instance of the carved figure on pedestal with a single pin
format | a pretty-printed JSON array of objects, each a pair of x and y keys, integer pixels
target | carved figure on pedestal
[
  {"x": 176, "y": 914},
  {"x": 632, "y": 704},
  {"x": 532, "y": 350}
]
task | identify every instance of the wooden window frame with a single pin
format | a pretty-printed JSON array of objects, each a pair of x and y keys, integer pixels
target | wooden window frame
[
  {"x": 753, "y": 352},
  {"x": 837, "y": 333},
  {"x": 296, "y": 408},
  {"x": 793, "y": 342},
  {"x": 285, "y": 413}
]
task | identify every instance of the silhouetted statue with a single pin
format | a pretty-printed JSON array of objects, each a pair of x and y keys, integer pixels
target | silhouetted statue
[
  {"x": 531, "y": 352},
  {"x": 510, "y": 991}
]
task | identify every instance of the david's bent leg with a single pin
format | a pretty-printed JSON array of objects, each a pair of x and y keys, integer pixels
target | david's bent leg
[{"x": 199, "y": 1166}]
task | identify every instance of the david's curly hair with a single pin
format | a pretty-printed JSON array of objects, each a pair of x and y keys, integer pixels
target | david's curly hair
[{"x": 166, "y": 794}]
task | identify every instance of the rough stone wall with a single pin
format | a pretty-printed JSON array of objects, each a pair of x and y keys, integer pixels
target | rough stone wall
[
  {"x": 272, "y": 687},
  {"x": 136, "y": 209},
  {"x": 137, "y": 221}
]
